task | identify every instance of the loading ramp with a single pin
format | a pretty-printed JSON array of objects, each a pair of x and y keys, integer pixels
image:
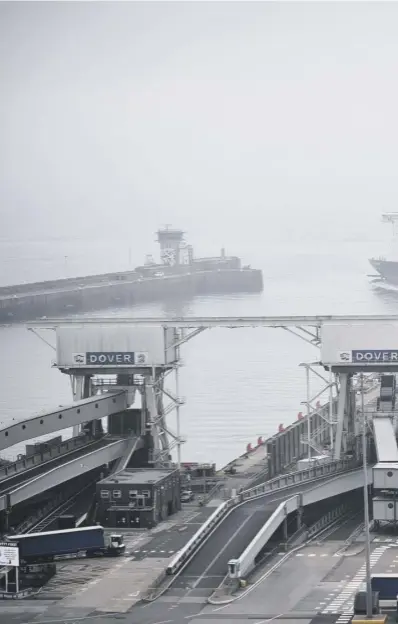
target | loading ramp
[
  {"x": 24, "y": 469},
  {"x": 107, "y": 450},
  {"x": 237, "y": 534},
  {"x": 277, "y": 512}
]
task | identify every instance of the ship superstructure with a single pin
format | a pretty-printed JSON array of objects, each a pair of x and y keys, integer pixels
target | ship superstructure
[{"x": 387, "y": 270}]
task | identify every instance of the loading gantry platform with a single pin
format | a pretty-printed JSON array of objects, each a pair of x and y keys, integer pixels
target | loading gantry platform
[
  {"x": 335, "y": 425},
  {"x": 136, "y": 361}
]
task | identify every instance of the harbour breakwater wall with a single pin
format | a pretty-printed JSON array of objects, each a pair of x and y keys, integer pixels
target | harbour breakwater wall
[{"x": 26, "y": 306}]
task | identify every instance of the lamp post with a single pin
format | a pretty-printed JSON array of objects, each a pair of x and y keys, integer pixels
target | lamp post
[
  {"x": 308, "y": 411},
  {"x": 307, "y": 370},
  {"x": 369, "y": 601}
]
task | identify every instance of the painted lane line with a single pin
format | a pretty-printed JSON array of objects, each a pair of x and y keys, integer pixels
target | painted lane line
[{"x": 220, "y": 552}]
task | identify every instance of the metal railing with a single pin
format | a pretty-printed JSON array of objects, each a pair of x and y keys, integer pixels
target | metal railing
[
  {"x": 39, "y": 515},
  {"x": 315, "y": 438},
  {"x": 30, "y": 461},
  {"x": 301, "y": 476},
  {"x": 207, "y": 496},
  {"x": 327, "y": 519},
  {"x": 197, "y": 540},
  {"x": 312, "y": 443}
]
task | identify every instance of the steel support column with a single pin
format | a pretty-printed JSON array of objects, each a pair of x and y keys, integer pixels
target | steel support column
[
  {"x": 331, "y": 411},
  {"x": 341, "y": 408},
  {"x": 77, "y": 382}
]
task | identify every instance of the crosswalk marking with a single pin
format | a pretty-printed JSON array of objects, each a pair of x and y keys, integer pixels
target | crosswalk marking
[
  {"x": 343, "y": 602},
  {"x": 344, "y": 618}
]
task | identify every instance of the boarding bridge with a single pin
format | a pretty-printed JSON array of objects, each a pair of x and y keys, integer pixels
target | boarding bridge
[{"x": 86, "y": 410}]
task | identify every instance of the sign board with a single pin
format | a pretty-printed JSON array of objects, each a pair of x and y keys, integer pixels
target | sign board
[
  {"x": 114, "y": 346},
  {"x": 9, "y": 554},
  {"x": 369, "y": 356},
  {"x": 111, "y": 358},
  {"x": 360, "y": 345}
]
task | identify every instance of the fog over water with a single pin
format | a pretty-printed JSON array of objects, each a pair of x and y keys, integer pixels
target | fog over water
[{"x": 269, "y": 129}]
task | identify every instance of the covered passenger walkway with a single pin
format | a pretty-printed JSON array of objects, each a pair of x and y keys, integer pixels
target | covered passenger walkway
[{"x": 63, "y": 418}]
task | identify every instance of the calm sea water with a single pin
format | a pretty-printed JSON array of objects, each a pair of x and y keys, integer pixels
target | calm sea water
[{"x": 238, "y": 384}]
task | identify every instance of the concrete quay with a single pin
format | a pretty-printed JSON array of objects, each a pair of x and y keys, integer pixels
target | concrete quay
[
  {"x": 248, "y": 469},
  {"x": 315, "y": 584}
]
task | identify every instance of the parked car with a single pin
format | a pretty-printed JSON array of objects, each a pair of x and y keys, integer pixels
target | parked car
[{"x": 187, "y": 496}]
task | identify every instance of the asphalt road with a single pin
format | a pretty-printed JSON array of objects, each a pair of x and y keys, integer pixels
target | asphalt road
[
  {"x": 227, "y": 542},
  {"x": 169, "y": 539},
  {"x": 196, "y": 614},
  {"x": 230, "y": 539},
  {"x": 344, "y": 530}
]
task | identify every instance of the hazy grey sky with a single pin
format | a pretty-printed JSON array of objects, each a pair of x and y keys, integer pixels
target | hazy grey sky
[{"x": 243, "y": 114}]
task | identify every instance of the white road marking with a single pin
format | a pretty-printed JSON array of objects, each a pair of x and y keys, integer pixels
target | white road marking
[
  {"x": 344, "y": 600},
  {"x": 220, "y": 552}
]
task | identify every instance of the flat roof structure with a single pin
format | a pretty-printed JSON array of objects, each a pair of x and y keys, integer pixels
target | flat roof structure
[
  {"x": 386, "y": 465},
  {"x": 138, "y": 476}
]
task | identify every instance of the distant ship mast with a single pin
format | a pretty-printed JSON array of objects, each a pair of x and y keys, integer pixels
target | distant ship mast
[{"x": 391, "y": 217}]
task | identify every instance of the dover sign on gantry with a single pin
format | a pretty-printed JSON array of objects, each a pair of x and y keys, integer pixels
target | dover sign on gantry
[
  {"x": 111, "y": 358},
  {"x": 9, "y": 554},
  {"x": 369, "y": 356}
]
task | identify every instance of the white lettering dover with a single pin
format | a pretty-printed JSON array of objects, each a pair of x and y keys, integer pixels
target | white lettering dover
[
  {"x": 379, "y": 356},
  {"x": 110, "y": 358}
]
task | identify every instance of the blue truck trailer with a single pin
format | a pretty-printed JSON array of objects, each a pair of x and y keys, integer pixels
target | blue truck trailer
[
  {"x": 386, "y": 585},
  {"x": 37, "y": 547},
  {"x": 384, "y": 593}
]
